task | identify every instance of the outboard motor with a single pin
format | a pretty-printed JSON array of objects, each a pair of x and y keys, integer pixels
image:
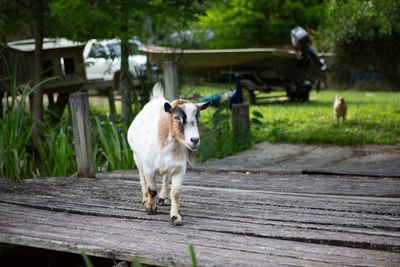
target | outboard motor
[{"x": 302, "y": 44}]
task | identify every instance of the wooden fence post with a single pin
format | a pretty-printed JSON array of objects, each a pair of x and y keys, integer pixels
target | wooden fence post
[
  {"x": 79, "y": 106},
  {"x": 170, "y": 80},
  {"x": 241, "y": 123}
]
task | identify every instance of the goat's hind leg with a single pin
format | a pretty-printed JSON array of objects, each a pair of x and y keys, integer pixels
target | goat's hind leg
[
  {"x": 143, "y": 183},
  {"x": 163, "y": 198},
  {"x": 148, "y": 187}
]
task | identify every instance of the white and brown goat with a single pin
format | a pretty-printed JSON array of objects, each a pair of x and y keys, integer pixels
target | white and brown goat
[{"x": 163, "y": 137}]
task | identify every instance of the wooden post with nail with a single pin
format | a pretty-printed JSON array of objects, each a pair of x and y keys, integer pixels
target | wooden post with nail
[{"x": 79, "y": 106}]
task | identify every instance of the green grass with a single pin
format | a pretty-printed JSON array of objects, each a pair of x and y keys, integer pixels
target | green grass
[{"x": 372, "y": 118}]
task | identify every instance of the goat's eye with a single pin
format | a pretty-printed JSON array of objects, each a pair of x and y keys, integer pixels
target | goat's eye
[{"x": 177, "y": 118}]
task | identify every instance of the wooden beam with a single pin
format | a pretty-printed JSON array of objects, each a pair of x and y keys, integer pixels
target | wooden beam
[
  {"x": 170, "y": 80},
  {"x": 79, "y": 106}
]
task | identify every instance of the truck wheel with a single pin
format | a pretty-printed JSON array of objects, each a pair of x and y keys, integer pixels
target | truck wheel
[
  {"x": 248, "y": 96},
  {"x": 301, "y": 92},
  {"x": 303, "y": 96},
  {"x": 298, "y": 96}
]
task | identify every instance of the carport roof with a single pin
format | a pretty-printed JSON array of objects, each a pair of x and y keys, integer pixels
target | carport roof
[{"x": 48, "y": 43}]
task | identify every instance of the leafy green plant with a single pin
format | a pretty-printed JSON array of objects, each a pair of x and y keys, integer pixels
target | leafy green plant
[
  {"x": 56, "y": 150},
  {"x": 15, "y": 136},
  {"x": 114, "y": 146},
  {"x": 217, "y": 134}
]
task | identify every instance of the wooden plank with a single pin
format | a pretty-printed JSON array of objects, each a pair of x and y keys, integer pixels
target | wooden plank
[
  {"x": 154, "y": 243},
  {"x": 250, "y": 218},
  {"x": 339, "y": 234},
  {"x": 293, "y": 216},
  {"x": 95, "y": 84},
  {"x": 308, "y": 184},
  {"x": 326, "y": 208},
  {"x": 226, "y": 214}
]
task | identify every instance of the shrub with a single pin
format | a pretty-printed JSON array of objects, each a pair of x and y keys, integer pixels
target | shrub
[
  {"x": 217, "y": 135},
  {"x": 365, "y": 35}
]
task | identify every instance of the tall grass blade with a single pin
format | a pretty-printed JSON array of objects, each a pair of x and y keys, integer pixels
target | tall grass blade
[
  {"x": 136, "y": 263},
  {"x": 86, "y": 259},
  {"x": 192, "y": 255}
]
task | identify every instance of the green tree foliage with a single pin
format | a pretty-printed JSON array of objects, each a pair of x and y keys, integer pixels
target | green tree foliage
[
  {"x": 248, "y": 23},
  {"x": 121, "y": 19},
  {"x": 32, "y": 14},
  {"x": 23, "y": 15},
  {"x": 366, "y": 37}
]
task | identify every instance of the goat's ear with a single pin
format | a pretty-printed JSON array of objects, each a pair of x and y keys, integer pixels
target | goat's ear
[
  {"x": 167, "y": 107},
  {"x": 203, "y": 105}
]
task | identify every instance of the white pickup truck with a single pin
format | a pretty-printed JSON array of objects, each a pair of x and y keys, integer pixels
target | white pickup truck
[{"x": 103, "y": 58}]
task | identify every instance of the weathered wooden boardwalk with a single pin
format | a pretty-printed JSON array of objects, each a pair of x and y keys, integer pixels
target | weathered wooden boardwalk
[{"x": 233, "y": 219}]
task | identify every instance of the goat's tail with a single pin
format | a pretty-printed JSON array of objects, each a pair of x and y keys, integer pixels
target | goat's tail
[{"x": 158, "y": 91}]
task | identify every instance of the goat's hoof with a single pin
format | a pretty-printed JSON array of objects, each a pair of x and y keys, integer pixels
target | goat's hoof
[
  {"x": 151, "y": 210},
  {"x": 150, "y": 205},
  {"x": 163, "y": 201},
  {"x": 176, "y": 220}
]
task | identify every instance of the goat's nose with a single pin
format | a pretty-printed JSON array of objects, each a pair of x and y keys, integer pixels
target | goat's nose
[{"x": 195, "y": 140}]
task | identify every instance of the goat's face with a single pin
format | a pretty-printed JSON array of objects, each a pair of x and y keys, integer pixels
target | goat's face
[{"x": 184, "y": 121}]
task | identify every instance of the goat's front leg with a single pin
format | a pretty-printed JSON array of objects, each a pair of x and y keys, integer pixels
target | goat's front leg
[
  {"x": 176, "y": 190},
  {"x": 163, "y": 197},
  {"x": 150, "y": 203}
]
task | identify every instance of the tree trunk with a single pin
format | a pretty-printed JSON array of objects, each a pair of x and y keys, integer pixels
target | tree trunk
[
  {"x": 37, "y": 96},
  {"x": 149, "y": 26},
  {"x": 125, "y": 78}
]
